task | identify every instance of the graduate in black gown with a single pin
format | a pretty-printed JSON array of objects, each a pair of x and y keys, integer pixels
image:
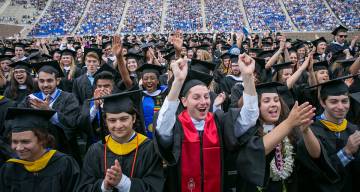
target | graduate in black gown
[
  {"x": 333, "y": 164},
  {"x": 70, "y": 69},
  {"x": 231, "y": 79},
  {"x": 5, "y": 61},
  {"x": 153, "y": 94},
  {"x": 37, "y": 167},
  {"x": 339, "y": 43},
  {"x": 5, "y": 103},
  {"x": 265, "y": 152},
  {"x": 21, "y": 83},
  {"x": 83, "y": 86},
  {"x": 127, "y": 160},
  {"x": 191, "y": 143},
  {"x": 64, "y": 127},
  {"x": 90, "y": 118},
  {"x": 321, "y": 45}
]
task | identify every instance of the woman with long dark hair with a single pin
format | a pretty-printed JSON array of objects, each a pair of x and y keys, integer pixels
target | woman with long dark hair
[
  {"x": 21, "y": 83},
  {"x": 265, "y": 154}
]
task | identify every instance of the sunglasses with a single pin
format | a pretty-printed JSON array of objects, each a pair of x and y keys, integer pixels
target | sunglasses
[{"x": 343, "y": 36}]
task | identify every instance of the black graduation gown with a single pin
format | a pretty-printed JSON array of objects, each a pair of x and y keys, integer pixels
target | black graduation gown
[
  {"x": 236, "y": 93},
  {"x": 60, "y": 175},
  {"x": 93, "y": 131},
  {"x": 22, "y": 93},
  {"x": 354, "y": 111},
  {"x": 148, "y": 173},
  {"x": 302, "y": 94},
  {"x": 248, "y": 155},
  {"x": 327, "y": 174},
  {"x": 5, "y": 152},
  {"x": 67, "y": 85},
  {"x": 82, "y": 88},
  {"x": 334, "y": 47},
  {"x": 227, "y": 83},
  {"x": 67, "y": 108},
  {"x": 5, "y": 103},
  {"x": 286, "y": 95},
  {"x": 172, "y": 155}
]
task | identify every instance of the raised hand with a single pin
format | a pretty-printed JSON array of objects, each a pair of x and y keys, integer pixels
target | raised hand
[
  {"x": 219, "y": 100},
  {"x": 113, "y": 176},
  {"x": 38, "y": 104},
  {"x": 117, "y": 46},
  {"x": 301, "y": 115},
  {"x": 246, "y": 64},
  {"x": 178, "y": 41},
  {"x": 180, "y": 69},
  {"x": 353, "y": 142}
]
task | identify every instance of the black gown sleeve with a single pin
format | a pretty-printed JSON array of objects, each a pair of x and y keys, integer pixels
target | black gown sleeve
[
  {"x": 67, "y": 109},
  {"x": 236, "y": 93},
  {"x": 152, "y": 179},
  {"x": 91, "y": 177}
]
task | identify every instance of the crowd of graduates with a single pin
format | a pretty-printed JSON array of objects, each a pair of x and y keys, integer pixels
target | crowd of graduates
[{"x": 180, "y": 112}]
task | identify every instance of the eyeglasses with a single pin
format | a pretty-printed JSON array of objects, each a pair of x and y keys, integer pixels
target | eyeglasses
[
  {"x": 343, "y": 36},
  {"x": 20, "y": 72}
]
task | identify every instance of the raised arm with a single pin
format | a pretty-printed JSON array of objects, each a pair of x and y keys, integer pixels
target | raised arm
[
  {"x": 295, "y": 76},
  {"x": 120, "y": 61},
  {"x": 355, "y": 67},
  {"x": 299, "y": 115},
  {"x": 275, "y": 57},
  {"x": 166, "y": 118},
  {"x": 249, "y": 112}
]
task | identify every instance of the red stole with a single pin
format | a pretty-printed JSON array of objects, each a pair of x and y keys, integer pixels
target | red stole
[{"x": 190, "y": 155}]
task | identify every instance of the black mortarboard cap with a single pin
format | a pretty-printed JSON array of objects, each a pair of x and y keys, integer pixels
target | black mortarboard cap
[
  {"x": 280, "y": 66},
  {"x": 320, "y": 65},
  {"x": 347, "y": 62},
  {"x": 339, "y": 28},
  {"x": 95, "y": 50},
  {"x": 105, "y": 44},
  {"x": 334, "y": 87},
  {"x": 270, "y": 87},
  {"x": 94, "y": 46},
  {"x": 194, "y": 78},
  {"x": 203, "y": 47},
  {"x": 108, "y": 68},
  {"x": 355, "y": 97},
  {"x": 267, "y": 44},
  {"x": 319, "y": 40},
  {"x": 11, "y": 50},
  {"x": 255, "y": 50},
  {"x": 259, "y": 63},
  {"x": 55, "y": 51},
  {"x": 5, "y": 57},
  {"x": 122, "y": 102},
  {"x": 150, "y": 68},
  {"x": 26, "y": 119},
  {"x": 68, "y": 52},
  {"x": 21, "y": 65},
  {"x": 52, "y": 65},
  {"x": 170, "y": 56},
  {"x": 22, "y": 45},
  {"x": 132, "y": 55},
  {"x": 264, "y": 54},
  {"x": 202, "y": 66},
  {"x": 226, "y": 55}
]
